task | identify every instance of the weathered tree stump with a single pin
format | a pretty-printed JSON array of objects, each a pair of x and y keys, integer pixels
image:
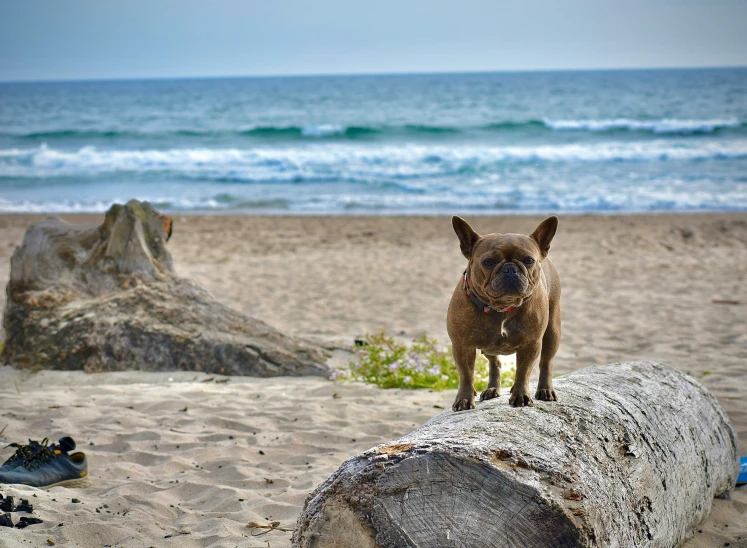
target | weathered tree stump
[
  {"x": 631, "y": 455},
  {"x": 106, "y": 299}
]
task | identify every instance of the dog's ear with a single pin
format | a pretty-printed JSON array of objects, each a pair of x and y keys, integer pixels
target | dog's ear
[
  {"x": 467, "y": 237},
  {"x": 544, "y": 234}
]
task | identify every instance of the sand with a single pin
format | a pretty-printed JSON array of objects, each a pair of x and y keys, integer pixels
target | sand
[{"x": 182, "y": 457}]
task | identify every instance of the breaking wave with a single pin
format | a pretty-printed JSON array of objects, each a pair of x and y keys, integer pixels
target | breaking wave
[
  {"x": 663, "y": 126},
  {"x": 355, "y": 132},
  {"x": 343, "y": 161}
]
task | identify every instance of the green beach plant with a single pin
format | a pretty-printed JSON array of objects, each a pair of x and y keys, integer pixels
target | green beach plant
[{"x": 388, "y": 363}]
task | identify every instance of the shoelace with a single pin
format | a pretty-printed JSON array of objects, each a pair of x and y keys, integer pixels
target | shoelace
[
  {"x": 42, "y": 456},
  {"x": 26, "y": 451}
]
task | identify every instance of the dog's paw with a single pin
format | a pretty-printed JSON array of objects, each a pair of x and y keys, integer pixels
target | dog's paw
[
  {"x": 546, "y": 394},
  {"x": 520, "y": 398},
  {"x": 462, "y": 404},
  {"x": 490, "y": 393}
]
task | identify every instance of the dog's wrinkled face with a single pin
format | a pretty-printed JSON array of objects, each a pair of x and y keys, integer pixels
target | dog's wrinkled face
[{"x": 504, "y": 269}]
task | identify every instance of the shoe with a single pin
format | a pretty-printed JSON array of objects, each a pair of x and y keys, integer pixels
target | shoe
[
  {"x": 25, "y": 452},
  {"x": 22, "y": 453},
  {"x": 50, "y": 467},
  {"x": 742, "y": 479}
]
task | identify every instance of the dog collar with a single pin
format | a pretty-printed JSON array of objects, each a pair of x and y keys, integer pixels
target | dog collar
[{"x": 481, "y": 305}]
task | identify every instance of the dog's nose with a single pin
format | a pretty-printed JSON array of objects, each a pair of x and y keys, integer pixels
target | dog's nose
[{"x": 510, "y": 268}]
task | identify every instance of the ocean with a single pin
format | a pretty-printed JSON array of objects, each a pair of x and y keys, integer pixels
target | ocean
[{"x": 489, "y": 143}]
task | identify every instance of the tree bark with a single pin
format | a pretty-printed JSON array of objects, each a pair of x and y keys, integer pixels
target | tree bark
[
  {"x": 106, "y": 299},
  {"x": 631, "y": 455}
]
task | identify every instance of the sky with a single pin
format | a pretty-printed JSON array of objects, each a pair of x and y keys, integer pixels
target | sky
[{"x": 102, "y": 39}]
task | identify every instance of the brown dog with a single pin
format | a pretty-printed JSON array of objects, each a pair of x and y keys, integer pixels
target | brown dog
[{"x": 508, "y": 301}]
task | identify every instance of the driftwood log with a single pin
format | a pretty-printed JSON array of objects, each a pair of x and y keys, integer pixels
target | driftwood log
[
  {"x": 106, "y": 299},
  {"x": 630, "y": 456}
]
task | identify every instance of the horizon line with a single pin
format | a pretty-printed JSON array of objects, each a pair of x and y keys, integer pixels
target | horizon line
[{"x": 364, "y": 74}]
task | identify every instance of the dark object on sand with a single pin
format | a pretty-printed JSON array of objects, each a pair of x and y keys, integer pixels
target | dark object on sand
[
  {"x": 631, "y": 456},
  {"x": 24, "y": 522},
  {"x": 6, "y": 520},
  {"x": 106, "y": 299},
  {"x": 24, "y": 507},
  {"x": 6, "y": 503}
]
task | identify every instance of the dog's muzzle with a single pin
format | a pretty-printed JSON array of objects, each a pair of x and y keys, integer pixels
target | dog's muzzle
[{"x": 510, "y": 279}]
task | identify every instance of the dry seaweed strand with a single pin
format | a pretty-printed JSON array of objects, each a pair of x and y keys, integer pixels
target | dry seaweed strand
[{"x": 272, "y": 526}]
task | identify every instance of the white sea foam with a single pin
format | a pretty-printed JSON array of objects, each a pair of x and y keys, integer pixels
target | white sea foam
[
  {"x": 667, "y": 174},
  {"x": 323, "y": 130},
  {"x": 55, "y": 206},
  {"x": 667, "y": 125},
  {"x": 537, "y": 192},
  {"x": 83, "y": 205},
  {"x": 345, "y": 161},
  {"x": 578, "y": 198}
]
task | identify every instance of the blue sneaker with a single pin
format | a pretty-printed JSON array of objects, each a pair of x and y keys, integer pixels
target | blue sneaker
[
  {"x": 742, "y": 478},
  {"x": 23, "y": 452},
  {"x": 26, "y": 452},
  {"x": 50, "y": 467}
]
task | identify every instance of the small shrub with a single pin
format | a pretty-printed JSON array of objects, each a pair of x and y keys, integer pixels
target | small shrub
[{"x": 424, "y": 364}]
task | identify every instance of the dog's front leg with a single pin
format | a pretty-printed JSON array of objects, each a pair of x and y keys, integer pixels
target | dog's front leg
[
  {"x": 550, "y": 343},
  {"x": 494, "y": 383},
  {"x": 525, "y": 358},
  {"x": 464, "y": 356}
]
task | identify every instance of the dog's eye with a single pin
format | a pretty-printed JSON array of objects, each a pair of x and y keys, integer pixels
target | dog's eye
[
  {"x": 490, "y": 263},
  {"x": 528, "y": 261}
]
